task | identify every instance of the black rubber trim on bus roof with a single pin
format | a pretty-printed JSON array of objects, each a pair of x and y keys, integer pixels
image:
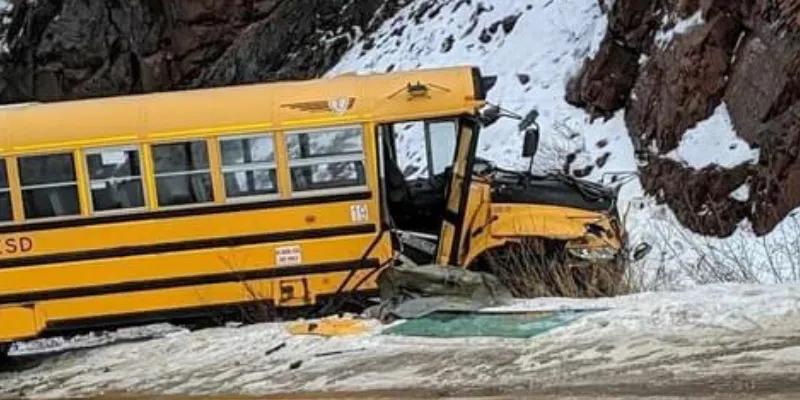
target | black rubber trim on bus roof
[
  {"x": 183, "y": 212},
  {"x": 478, "y": 84},
  {"x": 202, "y": 244},
  {"x": 171, "y": 283}
]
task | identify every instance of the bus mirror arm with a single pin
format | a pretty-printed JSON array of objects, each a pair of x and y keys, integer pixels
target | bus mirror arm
[
  {"x": 527, "y": 125},
  {"x": 492, "y": 113}
]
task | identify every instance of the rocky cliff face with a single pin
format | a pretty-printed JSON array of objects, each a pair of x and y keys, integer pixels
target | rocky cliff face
[
  {"x": 66, "y": 49},
  {"x": 668, "y": 74}
]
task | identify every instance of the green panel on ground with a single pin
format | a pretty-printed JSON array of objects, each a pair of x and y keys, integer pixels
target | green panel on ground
[{"x": 446, "y": 324}]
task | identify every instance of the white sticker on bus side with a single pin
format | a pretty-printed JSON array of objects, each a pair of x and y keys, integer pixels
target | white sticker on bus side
[
  {"x": 359, "y": 213},
  {"x": 288, "y": 255},
  {"x": 112, "y": 157}
]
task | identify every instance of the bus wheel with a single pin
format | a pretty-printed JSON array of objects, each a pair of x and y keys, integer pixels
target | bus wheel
[{"x": 540, "y": 268}]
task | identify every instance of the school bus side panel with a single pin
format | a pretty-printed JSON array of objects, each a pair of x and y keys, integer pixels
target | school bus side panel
[
  {"x": 288, "y": 249},
  {"x": 196, "y": 257}
]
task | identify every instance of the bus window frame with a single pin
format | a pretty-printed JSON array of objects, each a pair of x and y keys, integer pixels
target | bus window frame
[
  {"x": 429, "y": 143},
  {"x": 4, "y": 161},
  {"x": 142, "y": 178},
  {"x": 154, "y": 175},
  {"x": 76, "y": 159},
  {"x": 290, "y": 163},
  {"x": 274, "y": 165},
  {"x": 455, "y": 118}
]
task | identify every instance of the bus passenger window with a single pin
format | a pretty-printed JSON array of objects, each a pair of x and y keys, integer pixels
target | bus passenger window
[
  {"x": 115, "y": 178},
  {"x": 49, "y": 187},
  {"x": 5, "y": 195},
  {"x": 182, "y": 173},
  {"x": 326, "y": 159},
  {"x": 248, "y": 165}
]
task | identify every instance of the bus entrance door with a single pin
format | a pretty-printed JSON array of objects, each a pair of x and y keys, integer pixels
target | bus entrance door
[{"x": 452, "y": 232}]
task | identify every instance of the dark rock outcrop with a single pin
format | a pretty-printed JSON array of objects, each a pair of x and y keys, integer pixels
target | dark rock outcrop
[
  {"x": 763, "y": 97},
  {"x": 600, "y": 92},
  {"x": 700, "y": 199},
  {"x": 605, "y": 82},
  {"x": 67, "y": 49},
  {"x": 746, "y": 55},
  {"x": 682, "y": 85}
]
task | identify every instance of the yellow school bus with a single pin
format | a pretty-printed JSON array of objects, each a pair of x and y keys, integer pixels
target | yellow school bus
[{"x": 165, "y": 206}]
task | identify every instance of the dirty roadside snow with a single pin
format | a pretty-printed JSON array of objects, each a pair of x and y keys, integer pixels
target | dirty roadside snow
[{"x": 707, "y": 333}]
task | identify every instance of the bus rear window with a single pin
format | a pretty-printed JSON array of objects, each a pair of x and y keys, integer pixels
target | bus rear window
[
  {"x": 49, "y": 187},
  {"x": 183, "y": 175},
  {"x": 5, "y": 194}
]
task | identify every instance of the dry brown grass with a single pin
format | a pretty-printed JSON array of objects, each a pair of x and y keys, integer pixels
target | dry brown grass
[{"x": 539, "y": 268}]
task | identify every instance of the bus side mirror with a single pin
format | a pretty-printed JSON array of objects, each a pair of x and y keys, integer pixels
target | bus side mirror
[{"x": 530, "y": 143}]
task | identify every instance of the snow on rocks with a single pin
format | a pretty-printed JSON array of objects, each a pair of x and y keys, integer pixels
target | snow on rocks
[
  {"x": 714, "y": 141},
  {"x": 664, "y": 36}
]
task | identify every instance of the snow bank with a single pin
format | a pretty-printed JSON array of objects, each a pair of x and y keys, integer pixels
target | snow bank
[
  {"x": 56, "y": 344},
  {"x": 682, "y": 258},
  {"x": 732, "y": 307},
  {"x": 640, "y": 334}
]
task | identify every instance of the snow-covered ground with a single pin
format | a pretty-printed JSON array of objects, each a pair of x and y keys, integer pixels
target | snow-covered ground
[
  {"x": 709, "y": 338},
  {"x": 534, "y": 47}
]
